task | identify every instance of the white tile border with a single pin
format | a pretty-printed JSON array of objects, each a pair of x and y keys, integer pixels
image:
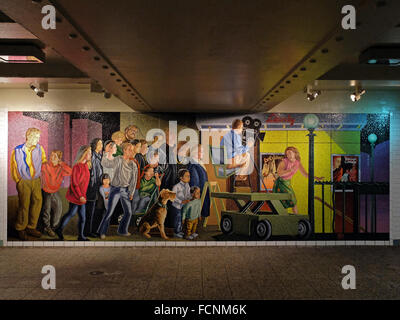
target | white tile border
[
  {"x": 4, "y": 175},
  {"x": 123, "y": 244}
]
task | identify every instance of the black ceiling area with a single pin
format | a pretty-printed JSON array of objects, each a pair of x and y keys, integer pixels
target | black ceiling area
[{"x": 201, "y": 55}]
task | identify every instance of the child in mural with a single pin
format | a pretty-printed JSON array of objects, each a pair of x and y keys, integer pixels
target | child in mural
[
  {"x": 199, "y": 176},
  {"x": 26, "y": 164},
  {"x": 53, "y": 173},
  {"x": 96, "y": 172},
  {"x": 118, "y": 137},
  {"x": 105, "y": 196},
  {"x": 109, "y": 144},
  {"x": 76, "y": 194},
  {"x": 123, "y": 187},
  {"x": 136, "y": 149},
  {"x": 191, "y": 214},
  {"x": 183, "y": 196},
  {"x": 287, "y": 168},
  {"x": 148, "y": 184}
]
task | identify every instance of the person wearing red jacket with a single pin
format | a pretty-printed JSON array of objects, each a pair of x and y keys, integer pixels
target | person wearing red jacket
[
  {"x": 76, "y": 194},
  {"x": 52, "y": 175}
]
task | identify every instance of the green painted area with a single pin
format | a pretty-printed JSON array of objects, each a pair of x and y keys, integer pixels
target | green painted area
[{"x": 326, "y": 144}]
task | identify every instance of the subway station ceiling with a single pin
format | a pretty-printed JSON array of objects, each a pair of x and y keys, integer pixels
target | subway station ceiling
[{"x": 200, "y": 56}]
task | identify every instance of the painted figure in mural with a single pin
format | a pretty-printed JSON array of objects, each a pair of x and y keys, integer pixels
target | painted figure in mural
[
  {"x": 183, "y": 196},
  {"x": 149, "y": 182},
  {"x": 123, "y": 187},
  {"x": 131, "y": 132},
  {"x": 287, "y": 168},
  {"x": 136, "y": 149},
  {"x": 26, "y": 165},
  {"x": 105, "y": 195},
  {"x": 269, "y": 171},
  {"x": 92, "y": 194},
  {"x": 338, "y": 165},
  {"x": 53, "y": 173},
  {"x": 118, "y": 137},
  {"x": 141, "y": 156},
  {"x": 113, "y": 149},
  {"x": 76, "y": 194},
  {"x": 198, "y": 176},
  {"x": 168, "y": 161},
  {"x": 191, "y": 214},
  {"x": 237, "y": 153}
]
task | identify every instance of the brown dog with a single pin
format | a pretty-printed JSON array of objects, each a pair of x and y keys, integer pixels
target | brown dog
[{"x": 155, "y": 216}]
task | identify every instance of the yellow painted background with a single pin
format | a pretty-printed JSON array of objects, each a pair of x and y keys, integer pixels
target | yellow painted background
[{"x": 326, "y": 144}]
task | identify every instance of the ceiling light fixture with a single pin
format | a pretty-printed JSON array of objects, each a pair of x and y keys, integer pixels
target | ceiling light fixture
[
  {"x": 311, "y": 94},
  {"x": 356, "y": 95},
  {"x": 40, "y": 90}
]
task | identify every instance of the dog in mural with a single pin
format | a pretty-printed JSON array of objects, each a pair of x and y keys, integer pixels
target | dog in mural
[{"x": 155, "y": 216}]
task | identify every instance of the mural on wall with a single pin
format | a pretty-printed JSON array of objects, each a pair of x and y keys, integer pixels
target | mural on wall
[{"x": 147, "y": 177}]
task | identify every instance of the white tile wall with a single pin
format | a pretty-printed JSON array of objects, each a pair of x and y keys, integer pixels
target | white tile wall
[
  {"x": 3, "y": 175},
  {"x": 395, "y": 177}
]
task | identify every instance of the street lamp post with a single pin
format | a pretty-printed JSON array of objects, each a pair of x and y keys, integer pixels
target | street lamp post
[
  {"x": 372, "y": 139},
  {"x": 311, "y": 122}
]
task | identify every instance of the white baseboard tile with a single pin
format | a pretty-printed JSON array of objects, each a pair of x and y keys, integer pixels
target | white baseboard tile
[
  {"x": 260, "y": 243},
  {"x": 99, "y": 243},
  {"x": 38, "y": 244},
  {"x": 201, "y": 243},
  {"x": 89, "y": 243},
  {"x": 251, "y": 243},
  {"x": 350, "y": 242},
  {"x": 150, "y": 243},
  {"x": 211, "y": 243},
  {"x": 320, "y": 243},
  {"x": 231, "y": 243},
  {"x": 16, "y": 243},
  {"x": 369, "y": 243},
  {"x": 310, "y": 243},
  {"x": 58, "y": 244},
  {"x": 340, "y": 243},
  {"x": 160, "y": 244},
  {"x": 180, "y": 243},
  {"x": 109, "y": 244},
  {"x": 28, "y": 243},
  {"x": 270, "y": 243},
  {"x": 241, "y": 243},
  {"x": 380, "y": 243},
  {"x": 300, "y": 243},
  {"x": 79, "y": 243},
  {"x": 221, "y": 243}
]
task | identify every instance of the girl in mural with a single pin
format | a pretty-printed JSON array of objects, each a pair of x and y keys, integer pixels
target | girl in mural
[
  {"x": 76, "y": 194},
  {"x": 198, "y": 176},
  {"x": 287, "y": 168},
  {"x": 109, "y": 144},
  {"x": 92, "y": 193}
]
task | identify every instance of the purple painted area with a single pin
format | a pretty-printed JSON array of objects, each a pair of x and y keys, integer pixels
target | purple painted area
[
  {"x": 381, "y": 174},
  {"x": 83, "y": 131}
]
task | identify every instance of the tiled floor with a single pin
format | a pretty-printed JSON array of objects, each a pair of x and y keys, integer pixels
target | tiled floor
[{"x": 200, "y": 273}]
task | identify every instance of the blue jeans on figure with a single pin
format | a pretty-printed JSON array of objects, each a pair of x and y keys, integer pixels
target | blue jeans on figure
[
  {"x": 73, "y": 208},
  {"x": 117, "y": 194},
  {"x": 176, "y": 218}
]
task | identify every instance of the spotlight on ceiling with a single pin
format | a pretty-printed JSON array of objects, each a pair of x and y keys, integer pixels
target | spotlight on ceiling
[
  {"x": 40, "y": 89},
  {"x": 356, "y": 95},
  {"x": 107, "y": 95},
  {"x": 312, "y": 94}
]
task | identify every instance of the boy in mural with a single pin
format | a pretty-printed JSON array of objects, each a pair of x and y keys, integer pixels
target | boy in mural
[
  {"x": 287, "y": 168},
  {"x": 53, "y": 173},
  {"x": 118, "y": 137},
  {"x": 183, "y": 196},
  {"x": 109, "y": 144},
  {"x": 191, "y": 214},
  {"x": 26, "y": 165},
  {"x": 123, "y": 187},
  {"x": 237, "y": 153},
  {"x": 148, "y": 184}
]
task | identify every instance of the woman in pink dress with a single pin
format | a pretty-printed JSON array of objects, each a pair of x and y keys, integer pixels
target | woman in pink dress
[{"x": 286, "y": 170}]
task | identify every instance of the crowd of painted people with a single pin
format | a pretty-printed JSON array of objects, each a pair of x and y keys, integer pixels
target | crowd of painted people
[{"x": 120, "y": 170}]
